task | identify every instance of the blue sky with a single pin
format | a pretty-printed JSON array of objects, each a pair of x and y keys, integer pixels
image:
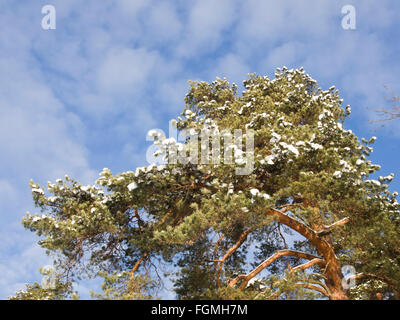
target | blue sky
[{"x": 83, "y": 96}]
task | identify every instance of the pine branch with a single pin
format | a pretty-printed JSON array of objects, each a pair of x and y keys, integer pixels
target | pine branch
[
  {"x": 328, "y": 229},
  {"x": 271, "y": 259}
]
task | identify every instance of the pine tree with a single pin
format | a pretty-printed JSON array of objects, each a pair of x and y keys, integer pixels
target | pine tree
[{"x": 283, "y": 229}]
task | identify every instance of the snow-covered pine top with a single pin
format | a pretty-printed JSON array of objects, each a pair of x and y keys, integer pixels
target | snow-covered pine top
[{"x": 301, "y": 147}]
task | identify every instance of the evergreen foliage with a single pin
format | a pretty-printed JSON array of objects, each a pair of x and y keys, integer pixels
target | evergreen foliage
[{"x": 284, "y": 231}]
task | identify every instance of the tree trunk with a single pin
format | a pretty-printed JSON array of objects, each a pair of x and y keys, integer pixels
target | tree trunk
[
  {"x": 324, "y": 248},
  {"x": 334, "y": 278}
]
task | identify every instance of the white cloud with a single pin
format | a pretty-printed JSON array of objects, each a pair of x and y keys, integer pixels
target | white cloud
[
  {"x": 131, "y": 8},
  {"x": 284, "y": 55},
  {"x": 232, "y": 67},
  {"x": 162, "y": 24},
  {"x": 124, "y": 70},
  {"x": 32, "y": 125},
  {"x": 374, "y": 15},
  {"x": 265, "y": 21},
  {"x": 207, "y": 21},
  {"x": 38, "y": 139},
  {"x": 22, "y": 266},
  {"x": 8, "y": 193}
]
